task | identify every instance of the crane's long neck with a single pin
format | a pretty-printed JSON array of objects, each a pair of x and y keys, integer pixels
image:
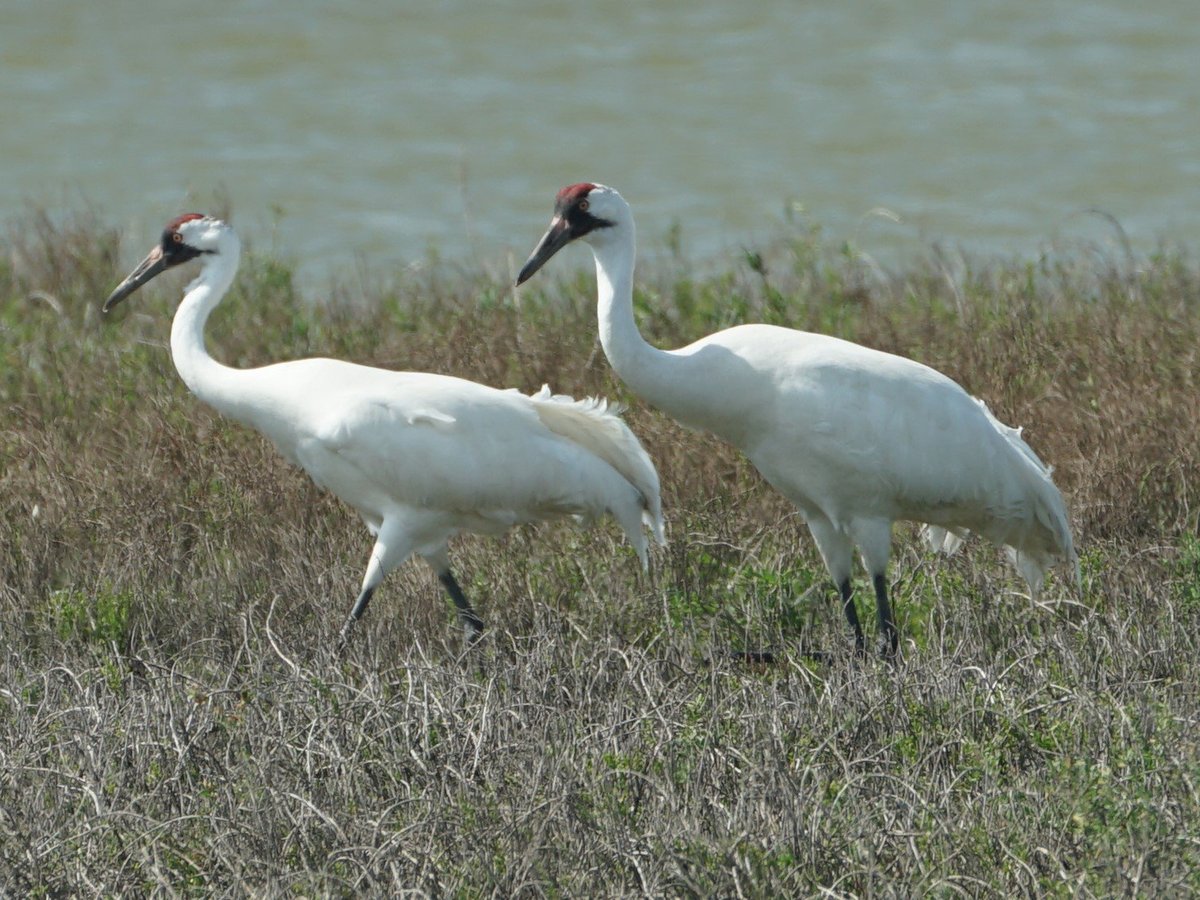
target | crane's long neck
[
  {"x": 656, "y": 375},
  {"x": 217, "y": 385}
]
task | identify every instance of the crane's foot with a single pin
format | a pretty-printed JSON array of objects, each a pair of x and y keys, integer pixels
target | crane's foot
[
  {"x": 343, "y": 641},
  {"x": 753, "y": 658},
  {"x": 763, "y": 659},
  {"x": 887, "y": 622},
  {"x": 472, "y": 627},
  {"x": 889, "y": 648},
  {"x": 821, "y": 657},
  {"x": 847, "y": 596},
  {"x": 472, "y": 624},
  {"x": 360, "y": 606}
]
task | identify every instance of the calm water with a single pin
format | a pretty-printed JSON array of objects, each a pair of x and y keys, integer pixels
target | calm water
[{"x": 363, "y": 129}]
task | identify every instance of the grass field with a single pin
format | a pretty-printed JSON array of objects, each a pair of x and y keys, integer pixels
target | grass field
[{"x": 174, "y": 719}]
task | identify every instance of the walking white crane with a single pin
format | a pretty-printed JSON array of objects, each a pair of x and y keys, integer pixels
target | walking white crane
[
  {"x": 856, "y": 438},
  {"x": 420, "y": 457}
]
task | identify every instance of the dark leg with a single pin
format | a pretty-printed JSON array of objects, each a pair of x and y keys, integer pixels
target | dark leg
[
  {"x": 360, "y": 606},
  {"x": 852, "y": 615},
  {"x": 887, "y": 625},
  {"x": 472, "y": 624}
]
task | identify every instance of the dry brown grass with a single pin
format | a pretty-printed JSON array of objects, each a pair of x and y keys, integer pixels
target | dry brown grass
[{"x": 173, "y": 721}]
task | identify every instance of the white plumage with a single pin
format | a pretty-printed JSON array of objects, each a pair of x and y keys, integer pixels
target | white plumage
[
  {"x": 856, "y": 438},
  {"x": 420, "y": 457}
]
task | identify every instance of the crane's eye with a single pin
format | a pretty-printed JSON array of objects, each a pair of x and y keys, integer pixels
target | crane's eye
[
  {"x": 583, "y": 205},
  {"x": 176, "y": 236}
]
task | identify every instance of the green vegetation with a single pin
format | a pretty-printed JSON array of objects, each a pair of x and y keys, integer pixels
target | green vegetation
[{"x": 174, "y": 721}]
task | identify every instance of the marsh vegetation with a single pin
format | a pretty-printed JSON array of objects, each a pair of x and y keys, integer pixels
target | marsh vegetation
[{"x": 174, "y": 719}]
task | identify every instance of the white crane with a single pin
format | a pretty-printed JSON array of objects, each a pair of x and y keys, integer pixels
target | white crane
[
  {"x": 420, "y": 457},
  {"x": 856, "y": 438}
]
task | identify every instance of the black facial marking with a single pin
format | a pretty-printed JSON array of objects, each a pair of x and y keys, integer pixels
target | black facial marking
[
  {"x": 176, "y": 252},
  {"x": 574, "y": 210},
  {"x": 175, "y": 249}
]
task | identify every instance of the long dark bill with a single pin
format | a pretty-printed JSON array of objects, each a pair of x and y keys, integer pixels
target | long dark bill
[
  {"x": 155, "y": 263},
  {"x": 558, "y": 236}
]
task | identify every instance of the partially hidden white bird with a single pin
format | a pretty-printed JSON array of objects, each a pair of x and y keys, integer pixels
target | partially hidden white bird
[
  {"x": 420, "y": 457},
  {"x": 855, "y": 437}
]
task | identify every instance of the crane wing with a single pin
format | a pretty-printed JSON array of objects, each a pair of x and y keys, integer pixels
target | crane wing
[
  {"x": 383, "y": 440},
  {"x": 857, "y": 434}
]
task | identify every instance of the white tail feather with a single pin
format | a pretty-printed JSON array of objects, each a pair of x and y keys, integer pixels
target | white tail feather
[
  {"x": 945, "y": 540},
  {"x": 594, "y": 424},
  {"x": 1053, "y": 543}
]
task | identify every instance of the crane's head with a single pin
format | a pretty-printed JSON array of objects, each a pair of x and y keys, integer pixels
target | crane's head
[
  {"x": 586, "y": 210},
  {"x": 184, "y": 238}
]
